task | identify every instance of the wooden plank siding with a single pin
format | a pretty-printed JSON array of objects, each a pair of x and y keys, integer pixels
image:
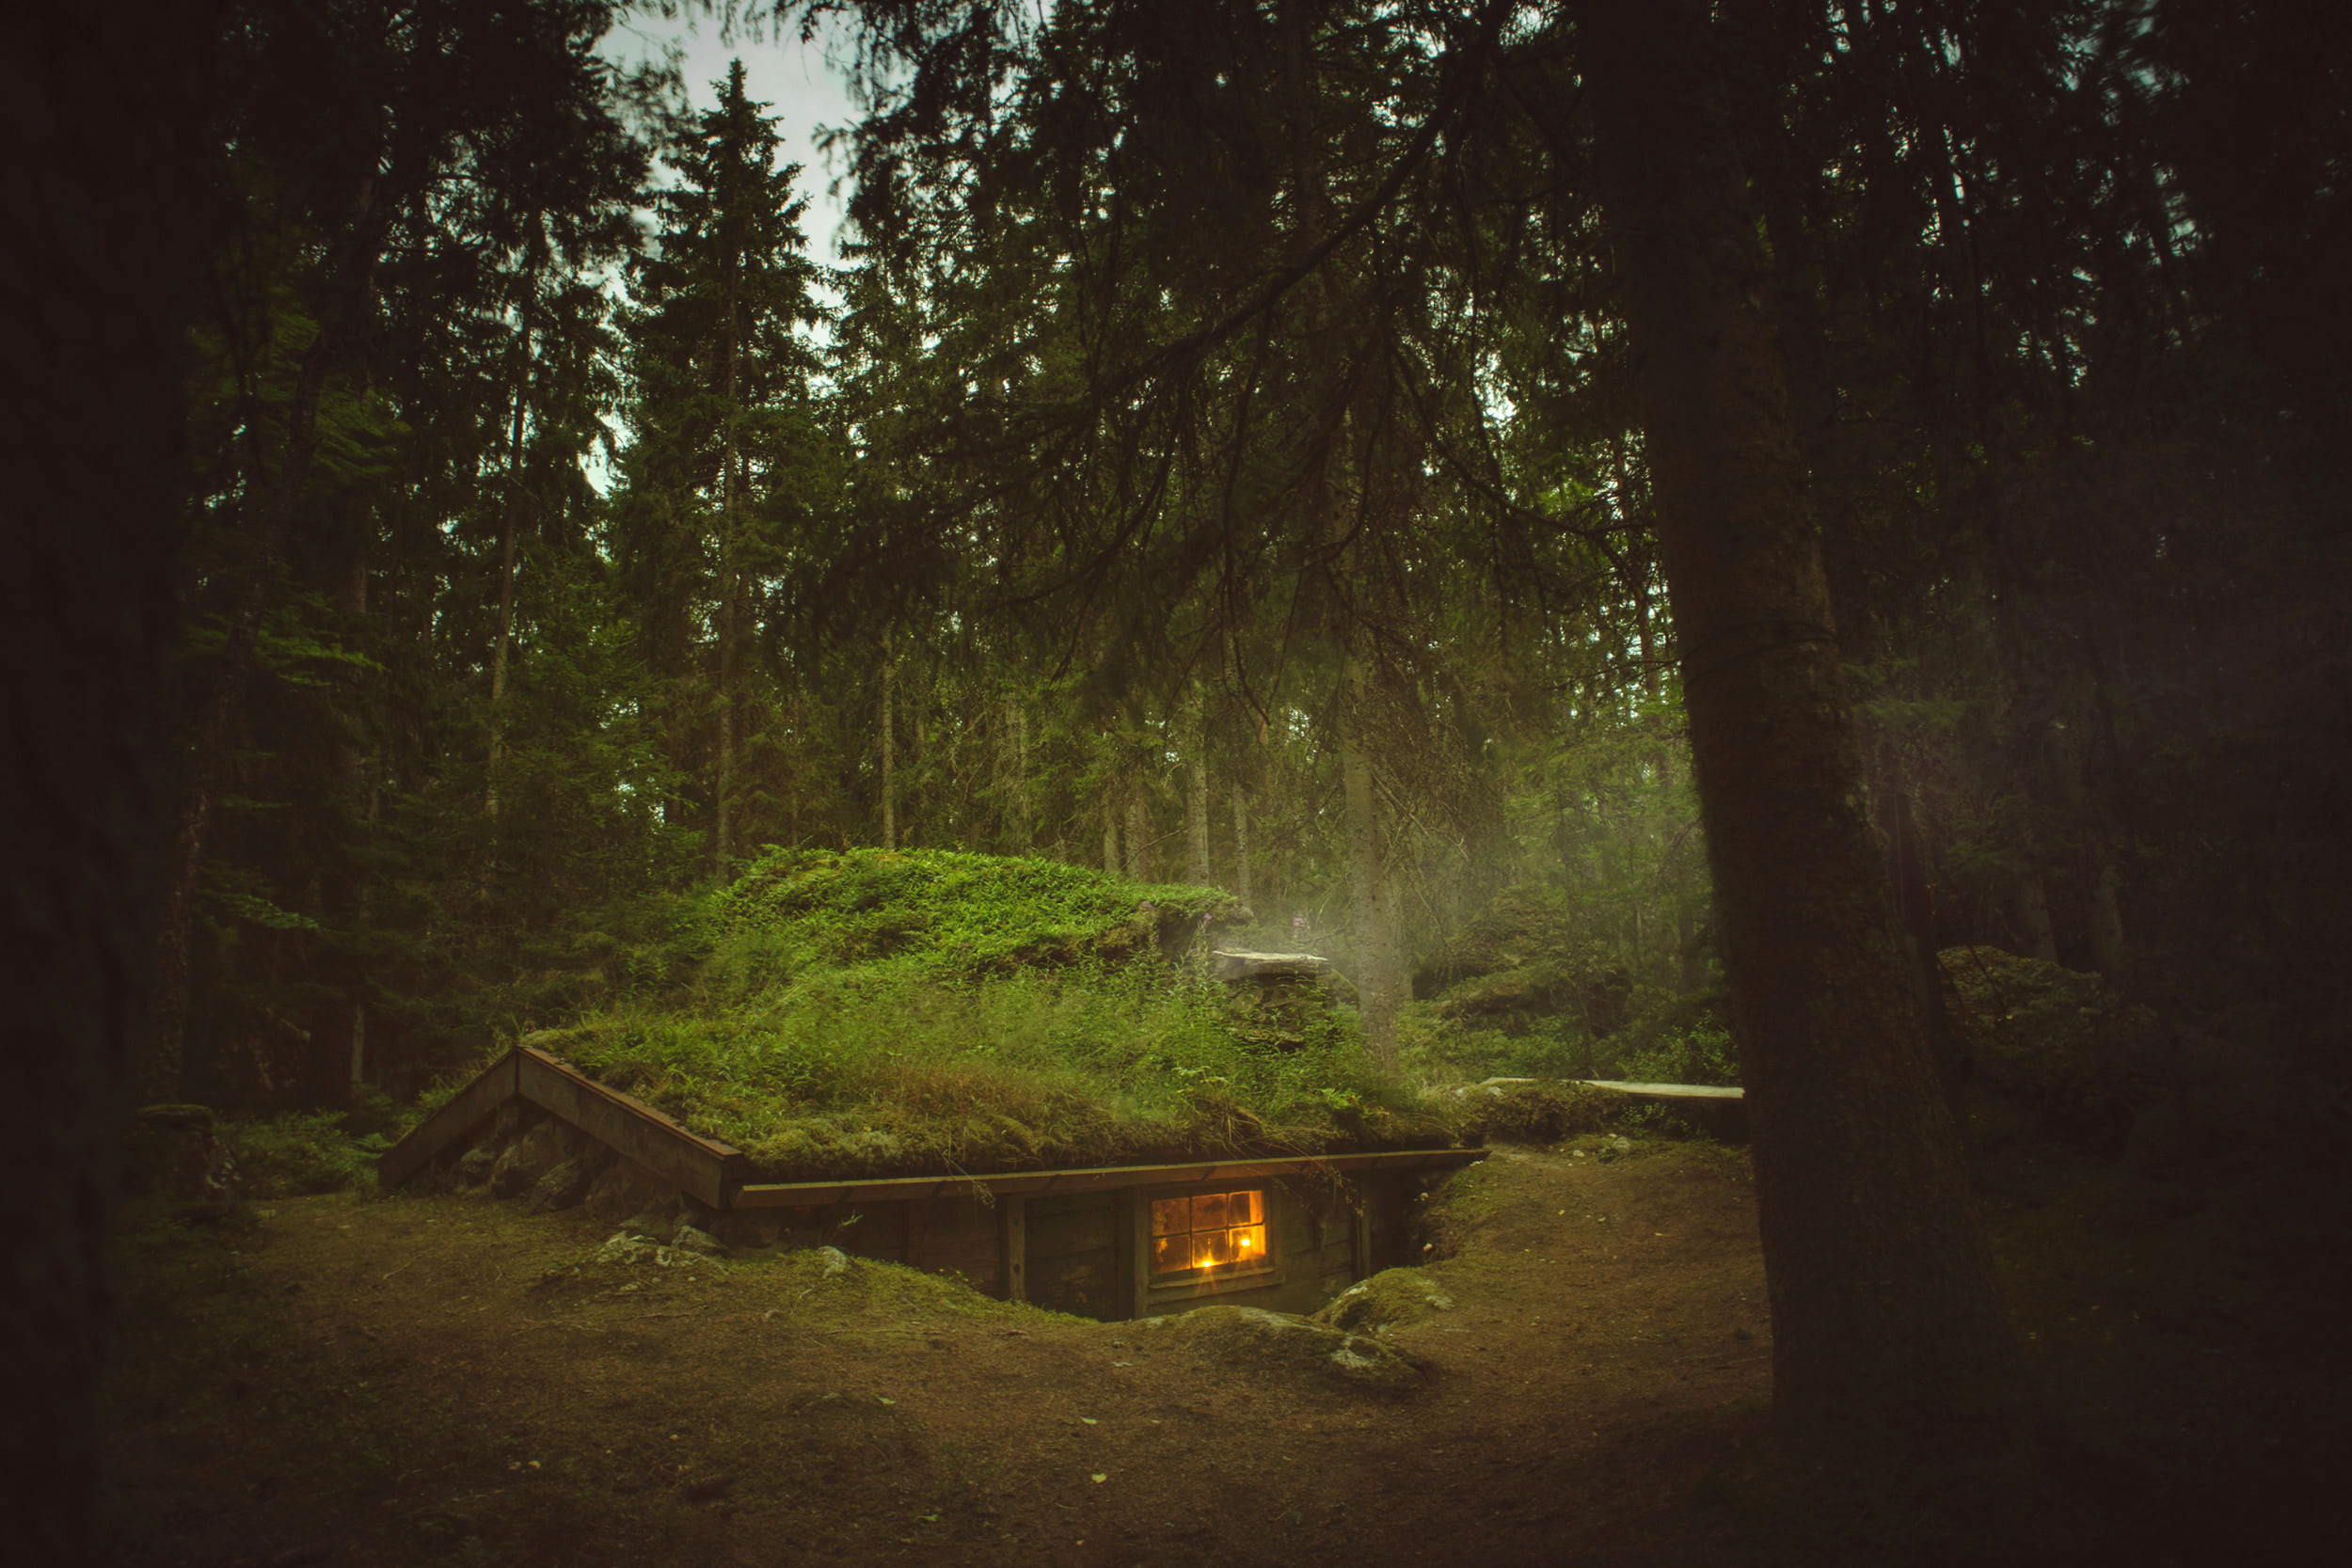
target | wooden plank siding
[
  {"x": 1073, "y": 1253},
  {"x": 1012, "y": 1246}
]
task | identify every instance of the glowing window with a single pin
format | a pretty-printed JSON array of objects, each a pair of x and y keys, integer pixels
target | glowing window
[{"x": 1208, "y": 1231}]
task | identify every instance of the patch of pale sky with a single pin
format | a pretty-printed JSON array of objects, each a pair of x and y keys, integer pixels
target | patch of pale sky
[{"x": 805, "y": 95}]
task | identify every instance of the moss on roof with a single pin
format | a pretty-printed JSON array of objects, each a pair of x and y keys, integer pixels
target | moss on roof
[{"x": 878, "y": 1013}]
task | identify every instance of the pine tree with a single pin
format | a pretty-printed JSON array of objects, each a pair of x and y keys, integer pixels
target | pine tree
[{"x": 725, "y": 442}]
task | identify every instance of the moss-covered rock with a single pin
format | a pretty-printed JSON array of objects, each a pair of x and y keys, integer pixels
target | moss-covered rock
[
  {"x": 1539, "y": 1112},
  {"x": 1390, "y": 1299},
  {"x": 1279, "y": 1342}
]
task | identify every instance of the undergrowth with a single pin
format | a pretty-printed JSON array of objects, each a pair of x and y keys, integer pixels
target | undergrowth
[
  {"x": 305, "y": 1152},
  {"x": 1675, "y": 1041}
]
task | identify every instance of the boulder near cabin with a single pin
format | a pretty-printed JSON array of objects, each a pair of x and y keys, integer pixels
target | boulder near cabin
[{"x": 1107, "y": 1242}]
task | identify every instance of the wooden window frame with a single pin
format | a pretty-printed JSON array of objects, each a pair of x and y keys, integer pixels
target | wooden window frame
[{"x": 1154, "y": 1291}]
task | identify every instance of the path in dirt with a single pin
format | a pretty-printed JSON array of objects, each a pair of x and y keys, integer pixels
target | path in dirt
[{"x": 399, "y": 1382}]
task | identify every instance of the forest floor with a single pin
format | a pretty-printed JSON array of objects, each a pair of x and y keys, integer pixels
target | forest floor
[{"x": 428, "y": 1381}]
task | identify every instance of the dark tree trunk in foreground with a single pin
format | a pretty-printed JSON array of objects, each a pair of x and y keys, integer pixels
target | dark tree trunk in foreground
[
  {"x": 1885, "y": 1316},
  {"x": 102, "y": 119}
]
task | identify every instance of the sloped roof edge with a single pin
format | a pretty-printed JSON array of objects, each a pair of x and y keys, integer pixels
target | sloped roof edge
[{"x": 714, "y": 1171}]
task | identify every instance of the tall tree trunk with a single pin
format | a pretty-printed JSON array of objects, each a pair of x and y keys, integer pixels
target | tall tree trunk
[
  {"x": 1021, "y": 825},
  {"x": 1241, "y": 844},
  {"x": 110, "y": 177},
  {"x": 1196, "y": 794},
  {"x": 889, "y": 796},
  {"x": 1110, "y": 830},
  {"x": 361, "y": 913},
  {"x": 1885, "y": 1316},
  {"x": 1376, "y": 945},
  {"x": 1241, "y": 790},
  {"x": 507, "y": 525},
  {"x": 723, "y": 832},
  {"x": 1838, "y": 492},
  {"x": 326, "y": 1071},
  {"x": 1139, "y": 830}
]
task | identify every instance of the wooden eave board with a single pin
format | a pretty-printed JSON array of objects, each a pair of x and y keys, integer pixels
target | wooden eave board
[
  {"x": 800, "y": 1194},
  {"x": 703, "y": 1167},
  {"x": 486, "y": 1094}
]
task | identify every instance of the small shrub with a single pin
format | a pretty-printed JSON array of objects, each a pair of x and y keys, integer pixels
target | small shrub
[
  {"x": 1700, "y": 1054},
  {"x": 302, "y": 1153},
  {"x": 1674, "y": 1040},
  {"x": 1438, "y": 1050}
]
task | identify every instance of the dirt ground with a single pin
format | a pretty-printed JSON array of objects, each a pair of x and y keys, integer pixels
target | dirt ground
[{"x": 438, "y": 1381}]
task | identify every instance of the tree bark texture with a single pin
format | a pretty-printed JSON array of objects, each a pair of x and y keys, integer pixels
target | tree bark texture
[
  {"x": 1020, "y": 826},
  {"x": 106, "y": 187},
  {"x": 1138, "y": 833},
  {"x": 338, "y": 1025},
  {"x": 889, "y": 796},
  {"x": 1885, "y": 1316},
  {"x": 1241, "y": 844},
  {"x": 507, "y": 524},
  {"x": 1196, "y": 795},
  {"x": 1376, "y": 946},
  {"x": 722, "y": 834}
]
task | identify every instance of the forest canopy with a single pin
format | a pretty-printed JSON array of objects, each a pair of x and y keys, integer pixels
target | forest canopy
[{"x": 1218, "y": 459}]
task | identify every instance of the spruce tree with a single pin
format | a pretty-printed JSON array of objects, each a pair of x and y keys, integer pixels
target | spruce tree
[{"x": 725, "y": 445}]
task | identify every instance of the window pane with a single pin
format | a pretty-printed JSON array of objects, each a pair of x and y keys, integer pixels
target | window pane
[{"x": 1209, "y": 1231}]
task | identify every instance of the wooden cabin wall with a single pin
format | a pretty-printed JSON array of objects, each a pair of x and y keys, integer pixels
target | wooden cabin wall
[
  {"x": 1388, "y": 1220},
  {"x": 1074, "y": 1255},
  {"x": 1083, "y": 1252}
]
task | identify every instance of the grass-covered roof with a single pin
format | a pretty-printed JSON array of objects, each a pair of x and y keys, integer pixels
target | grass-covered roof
[{"x": 873, "y": 1013}]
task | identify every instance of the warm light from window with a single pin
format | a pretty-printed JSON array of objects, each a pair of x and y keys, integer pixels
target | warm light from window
[{"x": 1212, "y": 1230}]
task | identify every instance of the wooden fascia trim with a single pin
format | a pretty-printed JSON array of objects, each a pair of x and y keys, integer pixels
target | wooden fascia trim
[{"x": 803, "y": 1195}]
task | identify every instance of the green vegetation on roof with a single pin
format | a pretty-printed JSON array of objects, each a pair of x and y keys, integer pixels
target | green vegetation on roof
[{"x": 873, "y": 1013}]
